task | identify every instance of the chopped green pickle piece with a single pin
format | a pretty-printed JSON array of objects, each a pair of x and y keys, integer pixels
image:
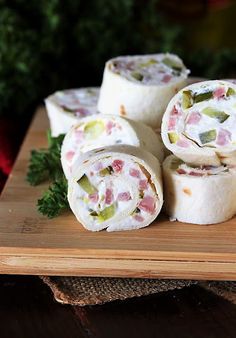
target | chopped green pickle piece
[
  {"x": 173, "y": 137},
  {"x": 215, "y": 114},
  {"x": 202, "y": 97},
  {"x": 208, "y": 136},
  {"x": 141, "y": 193},
  {"x": 85, "y": 184},
  {"x": 68, "y": 110},
  {"x": 137, "y": 76},
  {"x": 107, "y": 213},
  {"x": 230, "y": 92},
  {"x": 106, "y": 171},
  {"x": 176, "y": 163},
  {"x": 172, "y": 64},
  {"x": 187, "y": 99},
  {"x": 94, "y": 129},
  {"x": 177, "y": 69},
  {"x": 148, "y": 63},
  {"x": 136, "y": 211},
  {"x": 93, "y": 213}
]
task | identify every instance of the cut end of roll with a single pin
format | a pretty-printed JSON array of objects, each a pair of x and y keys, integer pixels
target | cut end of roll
[
  {"x": 105, "y": 130},
  {"x": 66, "y": 107},
  {"x": 198, "y": 125},
  {"x": 117, "y": 188},
  {"x": 139, "y": 87}
]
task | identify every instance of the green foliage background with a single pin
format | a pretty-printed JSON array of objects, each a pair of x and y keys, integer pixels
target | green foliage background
[{"x": 51, "y": 44}]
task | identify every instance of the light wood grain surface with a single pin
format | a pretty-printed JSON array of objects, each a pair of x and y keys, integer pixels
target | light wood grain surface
[{"x": 32, "y": 244}]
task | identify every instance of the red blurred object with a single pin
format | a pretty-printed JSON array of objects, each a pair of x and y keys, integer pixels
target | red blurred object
[
  {"x": 11, "y": 135},
  {"x": 6, "y": 146},
  {"x": 219, "y": 4}
]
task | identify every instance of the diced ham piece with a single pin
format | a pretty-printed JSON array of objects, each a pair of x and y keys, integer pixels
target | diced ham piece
[
  {"x": 124, "y": 196},
  {"x": 134, "y": 173},
  {"x": 172, "y": 123},
  {"x": 130, "y": 65},
  {"x": 82, "y": 112},
  {"x": 65, "y": 106},
  {"x": 183, "y": 143},
  {"x": 207, "y": 167},
  {"x": 109, "y": 196},
  {"x": 117, "y": 165},
  {"x": 98, "y": 166},
  {"x": 147, "y": 204},
  {"x": 70, "y": 155},
  {"x": 166, "y": 78},
  {"x": 143, "y": 184},
  {"x": 223, "y": 137},
  {"x": 219, "y": 92},
  {"x": 93, "y": 197},
  {"x": 181, "y": 171},
  {"x": 138, "y": 218},
  {"x": 194, "y": 173},
  {"x": 109, "y": 127},
  {"x": 79, "y": 135},
  {"x": 175, "y": 112},
  {"x": 194, "y": 118}
]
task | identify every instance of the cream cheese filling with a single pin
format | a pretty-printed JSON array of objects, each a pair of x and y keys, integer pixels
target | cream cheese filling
[
  {"x": 127, "y": 209},
  {"x": 156, "y": 69}
]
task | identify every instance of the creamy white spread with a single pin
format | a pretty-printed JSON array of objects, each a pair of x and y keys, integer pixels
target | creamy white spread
[
  {"x": 205, "y": 116},
  {"x": 113, "y": 189},
  {"x": 94, "y": 133},
  {"x": 156, "y": 69},
  {"x": 78, "y": 102}
]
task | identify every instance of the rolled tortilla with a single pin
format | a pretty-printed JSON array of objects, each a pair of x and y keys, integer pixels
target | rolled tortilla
[
  {"x": 105, "y": 130},
  {"x": 199, "y": 195},
  {"x": 140, "y": 87},
  {"x": 66, "y": 107},
  {"x": 199, "y": 125},
  {"x": 116, "y": 188}
]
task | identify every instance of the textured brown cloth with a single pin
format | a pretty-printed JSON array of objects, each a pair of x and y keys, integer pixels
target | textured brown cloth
[
  {"x": 226, "y": 290},
  {"x": 100, "y": 290}
]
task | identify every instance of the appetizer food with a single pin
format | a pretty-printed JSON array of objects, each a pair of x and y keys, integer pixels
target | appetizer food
[
  {"x": 199, "y": 123},
  {"x": 66, "y": 107},
  {"x": 116, "y": 188},
  {"x": 104, "y": 130},
  {"x": 199, "y": 195},
  {"x": 140, "y": 87}
]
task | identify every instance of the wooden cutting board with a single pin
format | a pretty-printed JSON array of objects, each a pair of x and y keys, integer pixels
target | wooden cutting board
[{"x": 33, "y": 244}]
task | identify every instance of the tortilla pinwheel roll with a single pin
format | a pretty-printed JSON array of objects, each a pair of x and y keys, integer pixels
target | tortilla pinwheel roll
[
  {"x": 199, "y": 123},
  {"x": 116, "y": 188},
  {"x": 140, "y": 87},
  {"x": 66, "y": 107},
  {"x": 199, "y": 195},
  {"x": 104, "y": 130}
]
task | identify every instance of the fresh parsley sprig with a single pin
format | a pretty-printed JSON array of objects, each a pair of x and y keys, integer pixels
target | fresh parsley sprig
[
  {"x": 45, "y": 164},
  {"x": 54, "y": 200}
]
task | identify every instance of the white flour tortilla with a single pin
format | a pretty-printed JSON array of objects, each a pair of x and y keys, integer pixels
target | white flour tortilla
[
  {"x": 193, "y": 151},
  {"x": 121, "y": 180},
  {"x": 105, "y": 130},
  {"x": 204, "y": 199},
  {"x": 144, "y": 100},
  {"x": 66, "y": 107}
]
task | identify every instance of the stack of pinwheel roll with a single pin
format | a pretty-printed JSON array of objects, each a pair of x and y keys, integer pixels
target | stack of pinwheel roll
[
  {"x": 112, "y": 152},
  {"x": 199, "y": 128}
]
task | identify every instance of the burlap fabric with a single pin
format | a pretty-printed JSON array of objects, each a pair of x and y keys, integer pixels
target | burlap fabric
[
  {"x": 96, "y": 290},
  {"x": 226, "y": 290}
]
